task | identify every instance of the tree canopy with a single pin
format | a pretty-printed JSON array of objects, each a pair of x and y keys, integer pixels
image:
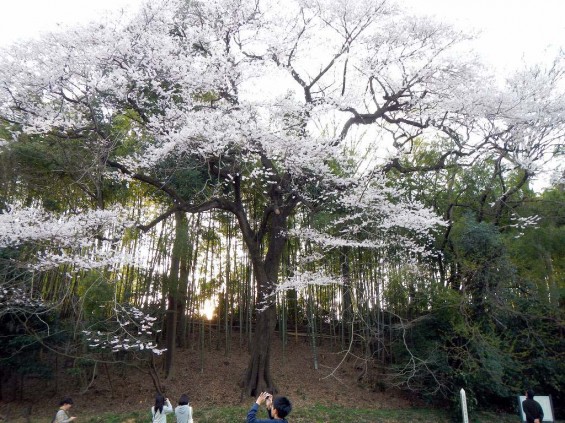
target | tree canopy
[{"x": 313, "y": 125}]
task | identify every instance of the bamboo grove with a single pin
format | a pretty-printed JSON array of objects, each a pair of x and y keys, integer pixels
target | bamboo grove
[
  {"x": 385, "y": 309},
  {"x": 154, "y": 195}
]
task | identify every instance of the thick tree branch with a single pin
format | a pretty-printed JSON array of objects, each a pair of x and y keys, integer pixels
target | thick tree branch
[{"x": 161, "y": 186}]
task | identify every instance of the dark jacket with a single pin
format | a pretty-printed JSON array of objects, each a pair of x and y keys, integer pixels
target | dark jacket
[
  {"x": 251, "y": 416},
  {"x": 532, "y": 410}
]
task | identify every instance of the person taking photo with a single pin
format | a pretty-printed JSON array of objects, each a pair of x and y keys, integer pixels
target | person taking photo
[{"x": 277, "y": 408}]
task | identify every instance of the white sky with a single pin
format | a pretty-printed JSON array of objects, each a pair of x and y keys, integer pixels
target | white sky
[
  {"x": 26, "y": 18},
  {"x": 511, "y": 29}
]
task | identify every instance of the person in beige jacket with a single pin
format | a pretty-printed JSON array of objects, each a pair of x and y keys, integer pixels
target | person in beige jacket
[{"x": 62, "y": 415}]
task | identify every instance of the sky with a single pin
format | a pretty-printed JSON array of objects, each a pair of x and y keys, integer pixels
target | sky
[
  {"x": 23, "y": 19},
  {"x": 511, "y": 30}
]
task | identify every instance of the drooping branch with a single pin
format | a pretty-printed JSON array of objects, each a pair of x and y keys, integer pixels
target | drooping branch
[{"x": 150, "y": 181}]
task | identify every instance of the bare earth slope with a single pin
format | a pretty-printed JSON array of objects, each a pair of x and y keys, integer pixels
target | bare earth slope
[{"x": 211, "y": 378}]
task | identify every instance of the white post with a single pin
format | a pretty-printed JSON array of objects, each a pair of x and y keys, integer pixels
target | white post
[{"x": 464, "y": 406}]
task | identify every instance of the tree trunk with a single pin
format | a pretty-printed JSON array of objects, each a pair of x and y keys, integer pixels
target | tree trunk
[
  {"x": 312, "y": 326},
  {"x": 170, "y": 336},
  {"x": 175, "y": 300},
  {"x": 182, "y": 303},
  {"x": 347, "y": 307},
  {"x": 257, "y": 377},
  {"x": 155, "y": 376}
]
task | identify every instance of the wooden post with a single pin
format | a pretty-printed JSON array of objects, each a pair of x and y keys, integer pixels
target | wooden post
[{"x": 464, "y": 406}]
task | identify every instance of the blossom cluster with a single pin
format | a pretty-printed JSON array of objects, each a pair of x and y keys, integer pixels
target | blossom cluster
[
  {"x": 65, "y": 238},
  {"x": 133, "y": 330},
  {"x": 264, "y": 98}
]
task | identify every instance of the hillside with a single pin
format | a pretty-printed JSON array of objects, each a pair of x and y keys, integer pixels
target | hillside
[{"x": 209, "y": 379}]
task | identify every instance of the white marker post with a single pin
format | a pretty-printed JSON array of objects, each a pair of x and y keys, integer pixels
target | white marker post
[{"x": 464, "y": 406}]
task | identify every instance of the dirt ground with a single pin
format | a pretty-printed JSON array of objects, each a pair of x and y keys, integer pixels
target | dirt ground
[{"x": 212, "y": 379}]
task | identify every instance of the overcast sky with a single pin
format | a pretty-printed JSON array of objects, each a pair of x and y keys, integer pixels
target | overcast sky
[
  {"x": 511, "y": 29},
  {"x": 26, "y": 18}
]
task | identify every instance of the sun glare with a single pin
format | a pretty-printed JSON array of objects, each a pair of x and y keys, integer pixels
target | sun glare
[{"x": 208, "y": 309}]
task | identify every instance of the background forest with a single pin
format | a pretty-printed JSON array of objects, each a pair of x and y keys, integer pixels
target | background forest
[{"x": 336, "y": 169}]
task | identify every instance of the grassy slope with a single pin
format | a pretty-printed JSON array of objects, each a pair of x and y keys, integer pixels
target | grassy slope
[{"x": 318, "y": 414}]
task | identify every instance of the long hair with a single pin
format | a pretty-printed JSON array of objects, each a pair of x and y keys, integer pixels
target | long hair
[{"x": 159, "y": 403}]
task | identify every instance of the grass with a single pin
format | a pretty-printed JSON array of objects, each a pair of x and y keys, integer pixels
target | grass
[{"x": 318, "y": 414}]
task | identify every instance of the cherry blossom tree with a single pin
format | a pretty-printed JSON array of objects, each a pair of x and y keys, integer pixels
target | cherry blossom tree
[{"x": 243, "y": 93}]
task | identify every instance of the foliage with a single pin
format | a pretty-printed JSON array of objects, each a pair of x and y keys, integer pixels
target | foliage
[
  {"x": 488, "y": 332},
  {"x": 25, "y": 325},
  {"x": 224, "y": 111}
]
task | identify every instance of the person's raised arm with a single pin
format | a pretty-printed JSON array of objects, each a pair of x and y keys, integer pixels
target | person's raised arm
[
  {"x": 167, "y": 408},
  {"x": 252, "y": 414}
]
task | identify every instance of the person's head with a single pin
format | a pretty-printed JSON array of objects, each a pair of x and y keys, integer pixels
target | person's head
[
  {"x": 159, "y": 403},
  {"x": 530, "y": 394},
  {"x": 66, "y": 403},
  {"x": 183, "y": 400},
  {"x": 281, "y": 407}
]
